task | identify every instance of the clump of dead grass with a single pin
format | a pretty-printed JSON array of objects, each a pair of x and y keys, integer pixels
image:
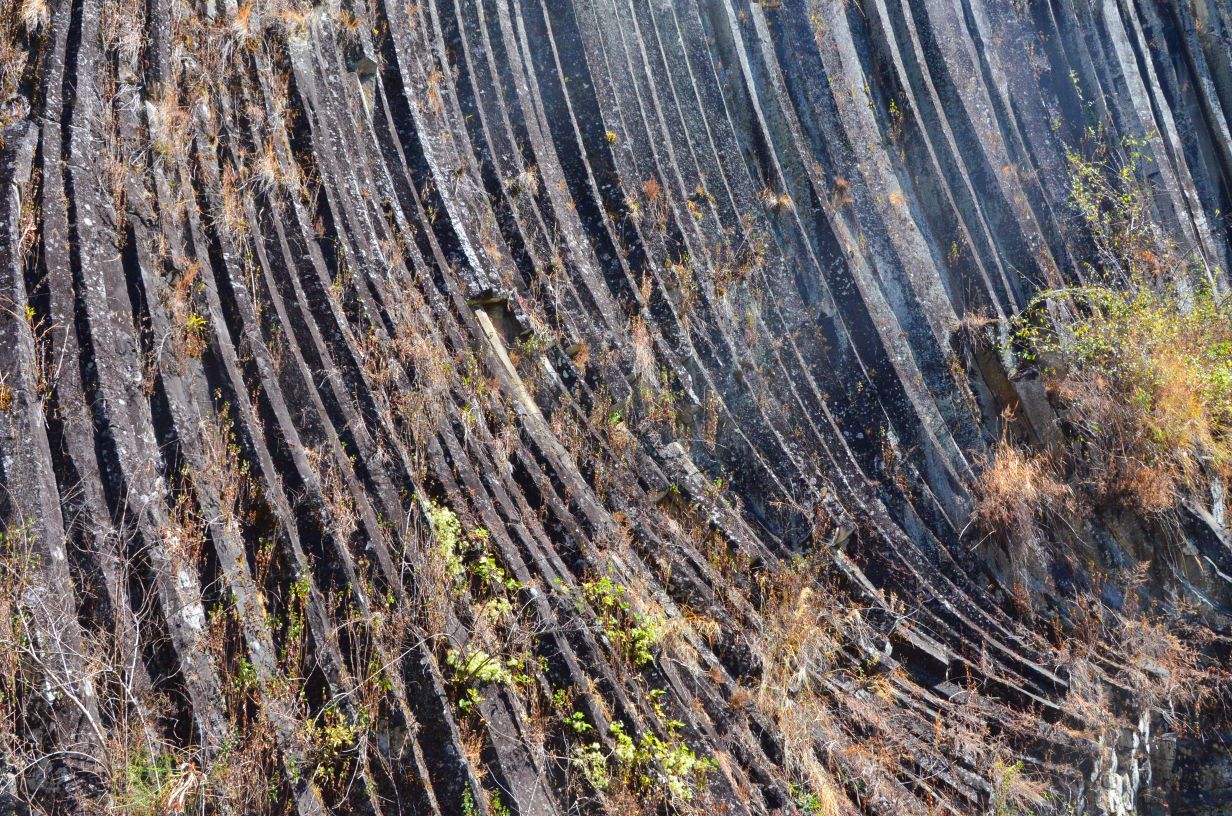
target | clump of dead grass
[
  {"x": 1015, "y": 488},
  {"x": 34, "y": 15},
  {"x": 801, "y": 644}
]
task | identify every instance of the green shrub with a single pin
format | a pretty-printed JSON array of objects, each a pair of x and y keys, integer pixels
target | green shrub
[
  {"x": 478, "y": 667},
  {"x": 1145, "y": 374}
]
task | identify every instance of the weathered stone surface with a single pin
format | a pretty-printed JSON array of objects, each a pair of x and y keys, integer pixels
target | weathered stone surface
[{"x": 668, "y": 292}]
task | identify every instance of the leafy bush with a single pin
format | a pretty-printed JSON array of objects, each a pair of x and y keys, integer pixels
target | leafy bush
[
  {"x": 1108, "y": 191},
  {"x": 477, "y": 667},
  {"x": 1146, "y": 375}
]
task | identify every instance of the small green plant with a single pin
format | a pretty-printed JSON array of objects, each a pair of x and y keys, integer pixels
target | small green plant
[
  {"x": 1006, "y": 781},
  {"x": 194, "y": 334},
  {"x": 497, "y": 609},
  {"x": 591, "y": 761},
  {"x": 297, "y": 598},
  {"x": 468, "y": 556},
  {"x": 245, "y": 676},
  {"x": 195, "y": 324},
  {"x": 670, "y": 766},
  {"x": 469, "y": 701},
  {"x": 498, "y": 807},
  {"x": 153, "y": 784},
  {"x": 897, "y": 118},
  {"x": 664, "y": 771},
  {"x": 805, "y": 799},
  {"x": 330, "y": 737},
  {"x": 633, "y": 633},
  {"x": 576, "y": 722},
  {"x": 448, "y": 533},
  {"x": 485, "y": 570},
  {"x": 478, "y": 667}
]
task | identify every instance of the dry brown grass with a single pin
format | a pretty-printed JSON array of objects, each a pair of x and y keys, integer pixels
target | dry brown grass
[
  {"x": 190, "y": 328},
  {"x": 34, "y": 15},
  {"x": 841, "y": 197},
  {"x": 799, "y": 646},
  {"x": 233, "y": 218},
  {"x": 1166, "y": 658},
  {"x": 14, "y": 54},
  {"x": 775, "y": 201},
  {"x": 1015, "y": 488},
  {"x": 169, "y": 126}
]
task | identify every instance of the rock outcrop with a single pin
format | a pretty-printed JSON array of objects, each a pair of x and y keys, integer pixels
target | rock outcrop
[{"x": 395, "y": 396}]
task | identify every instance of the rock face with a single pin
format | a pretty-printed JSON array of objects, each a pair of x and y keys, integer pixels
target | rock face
[{"x": 394, "y": 396}]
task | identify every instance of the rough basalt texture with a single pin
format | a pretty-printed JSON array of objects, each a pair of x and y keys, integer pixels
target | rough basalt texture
[{"x": 664, "y": 291}]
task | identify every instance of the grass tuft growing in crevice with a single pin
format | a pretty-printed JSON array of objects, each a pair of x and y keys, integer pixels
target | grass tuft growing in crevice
[{"x": 1016, "y": 487}]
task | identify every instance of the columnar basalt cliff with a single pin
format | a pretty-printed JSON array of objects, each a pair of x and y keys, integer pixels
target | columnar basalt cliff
[{"x": 576, "y": 406}]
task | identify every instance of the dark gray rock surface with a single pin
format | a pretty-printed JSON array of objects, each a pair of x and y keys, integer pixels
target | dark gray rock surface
[{"x": 624, "y": 283}]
